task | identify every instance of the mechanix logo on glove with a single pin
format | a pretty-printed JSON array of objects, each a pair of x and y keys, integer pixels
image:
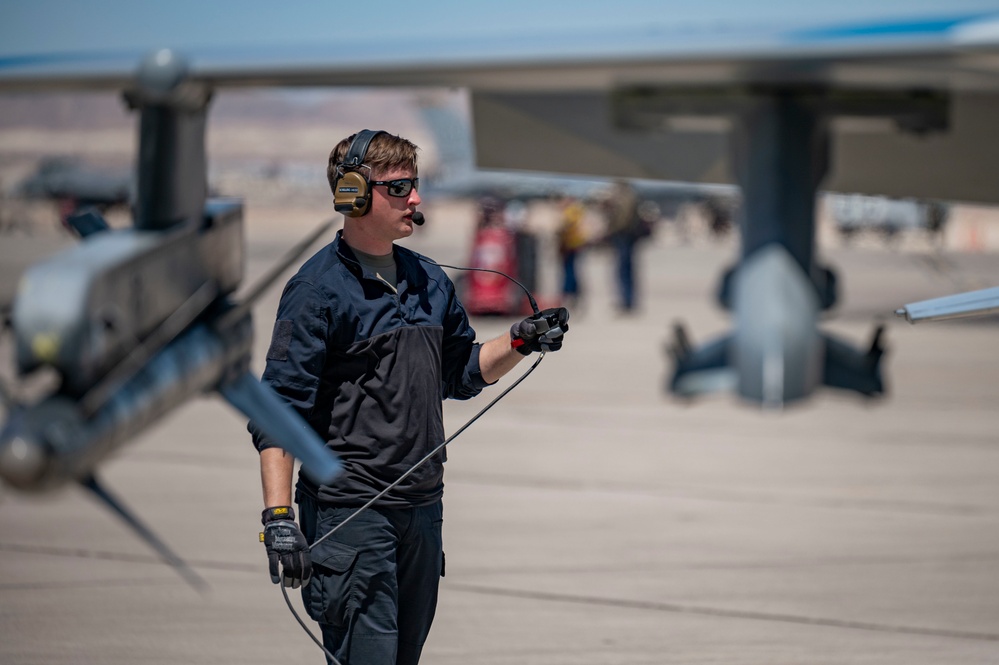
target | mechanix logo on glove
[{"x": 540, "y": 332}]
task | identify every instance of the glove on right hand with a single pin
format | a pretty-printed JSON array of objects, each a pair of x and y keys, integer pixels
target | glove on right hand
[
  {"x": 540, "y": 332},
  {"x": 286, "y": 547}
]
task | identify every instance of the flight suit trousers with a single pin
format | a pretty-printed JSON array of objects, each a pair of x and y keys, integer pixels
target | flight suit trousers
[{"x": 374, "y": 582}]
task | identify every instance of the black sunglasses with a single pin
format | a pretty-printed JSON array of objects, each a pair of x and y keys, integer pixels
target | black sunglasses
[{"x": 401, "y": 187}]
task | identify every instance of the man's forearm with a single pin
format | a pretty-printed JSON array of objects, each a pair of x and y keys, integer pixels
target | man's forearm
[
  {"x": 276, "y": 468},
  {"x": 497, "y": 357}
]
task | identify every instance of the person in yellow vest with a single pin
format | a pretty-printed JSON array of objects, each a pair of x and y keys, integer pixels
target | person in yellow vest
[{"x": 572, "y": 239}]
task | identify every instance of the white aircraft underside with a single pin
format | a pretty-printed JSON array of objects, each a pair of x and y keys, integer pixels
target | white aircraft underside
[{"x": 541, "y": 76}]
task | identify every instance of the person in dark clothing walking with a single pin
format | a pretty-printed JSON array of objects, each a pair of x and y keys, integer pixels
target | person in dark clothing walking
[
  {"x": 625, "y": 230},
  {"x": 369, "y": 339}
]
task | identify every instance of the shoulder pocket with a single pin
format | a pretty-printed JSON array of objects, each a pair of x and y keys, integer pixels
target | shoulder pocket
[{"x": 280, "y": 340}]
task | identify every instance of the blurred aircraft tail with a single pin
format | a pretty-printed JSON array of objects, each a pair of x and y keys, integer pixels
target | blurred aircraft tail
[
  {"x": 708, "y": 369},
  {"x": 776, "y": 354},
  {"x": 702, "y": 370},
  {"x": 852, "y": 369},
  {"x": 452, "y": 138}
]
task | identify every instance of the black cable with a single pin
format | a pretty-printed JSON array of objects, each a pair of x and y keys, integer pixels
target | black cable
[
  {"x": 332, "y": 659},
  {"x": 530, "y": 298},
  {"x": 431, "y": 454}
]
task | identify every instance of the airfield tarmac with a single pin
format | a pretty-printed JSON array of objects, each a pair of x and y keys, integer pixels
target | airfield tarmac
[{"x": 589, "y": 517}]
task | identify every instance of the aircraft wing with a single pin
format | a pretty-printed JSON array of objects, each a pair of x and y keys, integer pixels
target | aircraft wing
[
  {"x": 529, "y": 65},
  {"x": 457, "y": 175},
  {"x": 514, "y": 46}
]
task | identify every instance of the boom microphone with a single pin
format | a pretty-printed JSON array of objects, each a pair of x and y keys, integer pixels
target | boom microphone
[{"x": 418, "y": 218}]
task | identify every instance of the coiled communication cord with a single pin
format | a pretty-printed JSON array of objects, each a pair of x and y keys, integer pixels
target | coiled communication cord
[{"x": 534, "y": 306}]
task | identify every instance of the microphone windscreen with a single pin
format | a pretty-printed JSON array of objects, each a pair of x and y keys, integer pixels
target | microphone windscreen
[{"x": 418, "y": 218}]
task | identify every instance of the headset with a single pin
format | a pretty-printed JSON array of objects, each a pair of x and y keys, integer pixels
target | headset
[{"x": 352, "y": 190}]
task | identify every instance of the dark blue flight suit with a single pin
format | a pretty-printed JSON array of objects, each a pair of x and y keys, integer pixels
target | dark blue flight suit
[{"x": 368, "y": 367}]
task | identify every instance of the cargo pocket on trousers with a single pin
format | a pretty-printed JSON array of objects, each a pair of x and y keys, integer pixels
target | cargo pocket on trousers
[{"x": 330, "y": 588}]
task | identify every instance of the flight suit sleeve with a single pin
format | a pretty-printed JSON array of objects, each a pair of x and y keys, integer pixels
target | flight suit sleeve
[
  {"x": 461, "y": 375},
  {"x": 296, "y": 356}
]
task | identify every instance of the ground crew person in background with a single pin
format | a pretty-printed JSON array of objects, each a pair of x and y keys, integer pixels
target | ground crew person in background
[
  {"x": 625, "y": 229},
  {"x": 571, "y": 239},
  {"x": 369, "y": 339}
]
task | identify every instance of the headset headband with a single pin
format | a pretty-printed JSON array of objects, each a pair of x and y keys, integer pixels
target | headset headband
[{"x": 358, "y": 149}]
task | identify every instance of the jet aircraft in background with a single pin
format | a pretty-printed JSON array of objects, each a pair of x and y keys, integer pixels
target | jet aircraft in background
[
  {"x": 855, "y": 214},
  {"x": 73, "y": 185}
]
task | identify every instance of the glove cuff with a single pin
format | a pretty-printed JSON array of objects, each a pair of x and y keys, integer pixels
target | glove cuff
[{"x": 277, "y": 513}]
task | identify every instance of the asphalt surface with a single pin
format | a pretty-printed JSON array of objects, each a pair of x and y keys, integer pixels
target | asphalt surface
[{"x": 589, "y": 517}]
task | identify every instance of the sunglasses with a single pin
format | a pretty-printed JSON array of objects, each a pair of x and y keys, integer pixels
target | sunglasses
[{"x": 401, "y": 187}]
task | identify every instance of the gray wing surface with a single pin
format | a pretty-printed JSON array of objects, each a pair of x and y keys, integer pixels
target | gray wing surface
[{"x": 528, "y": 65}]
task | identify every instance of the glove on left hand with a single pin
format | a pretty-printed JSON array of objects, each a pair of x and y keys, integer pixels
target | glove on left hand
[
  {"x": 286, "y": 546},
  {"x": 540, "y": 332}
]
